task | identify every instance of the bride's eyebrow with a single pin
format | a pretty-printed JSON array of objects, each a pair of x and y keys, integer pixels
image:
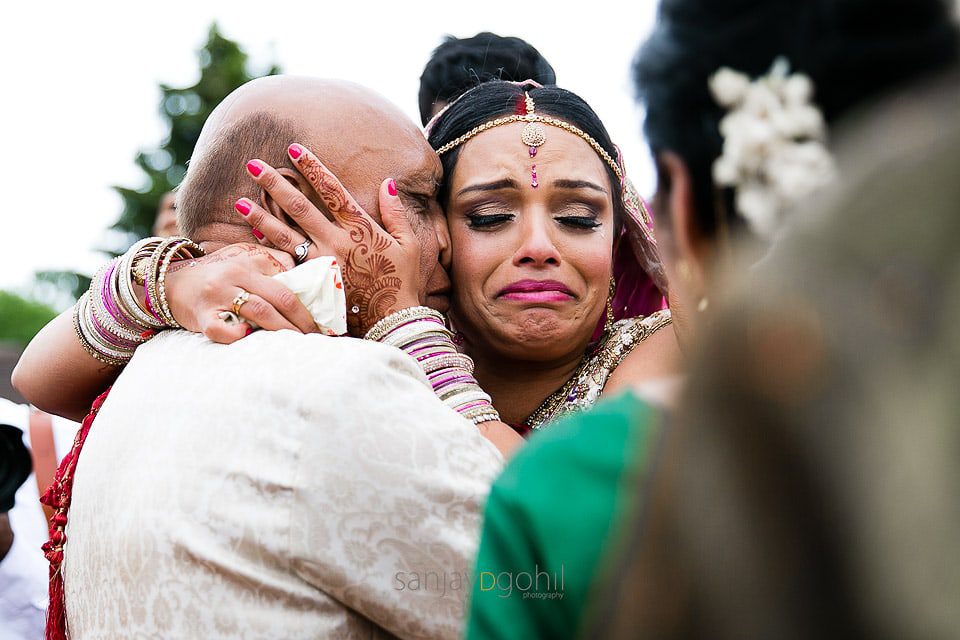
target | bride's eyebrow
[
  {"x": 506, "y": 183},
  {"x": 578, "y": 184}
]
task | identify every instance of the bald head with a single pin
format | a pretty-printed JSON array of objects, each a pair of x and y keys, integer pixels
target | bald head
[{"x": 358, "y": 134}]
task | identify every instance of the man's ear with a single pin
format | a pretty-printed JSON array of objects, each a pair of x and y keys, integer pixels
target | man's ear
[{"x": 690, "y": 246}]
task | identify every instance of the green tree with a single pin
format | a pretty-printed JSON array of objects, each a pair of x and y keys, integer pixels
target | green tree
[
  {"x": 21, "y": 319},
  {"x": 223, "y": 67}
]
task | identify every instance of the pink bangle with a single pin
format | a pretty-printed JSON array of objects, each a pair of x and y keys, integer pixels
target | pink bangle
[
  {"x": 433, "y": 354},
  {"x": 442, "y": 384},
  {"x": 146, "y": 298},
  {"x": 473, "y": 405}
]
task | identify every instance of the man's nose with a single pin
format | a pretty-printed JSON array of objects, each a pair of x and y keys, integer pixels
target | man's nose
[{"x": 445, "y": 255}]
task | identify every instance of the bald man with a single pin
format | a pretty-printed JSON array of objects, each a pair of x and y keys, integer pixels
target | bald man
[{"x": 286, "y": 485}]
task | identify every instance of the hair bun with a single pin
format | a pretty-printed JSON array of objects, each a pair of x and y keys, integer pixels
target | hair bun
[{"x": 852, "y": 51}]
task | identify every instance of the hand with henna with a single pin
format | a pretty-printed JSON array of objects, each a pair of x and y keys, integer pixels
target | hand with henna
[
  {"x": 199, "y": 290},
  {"x": 380, "y": 264}
]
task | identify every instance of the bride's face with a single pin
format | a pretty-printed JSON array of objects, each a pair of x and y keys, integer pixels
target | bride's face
[{"x": 531, "y": 266}]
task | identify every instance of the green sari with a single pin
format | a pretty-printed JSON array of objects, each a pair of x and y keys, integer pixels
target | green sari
[{"x": 555, "y": 514}]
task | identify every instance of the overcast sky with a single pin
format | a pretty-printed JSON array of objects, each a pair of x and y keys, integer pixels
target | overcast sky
[{"x": 81, "y": 92}]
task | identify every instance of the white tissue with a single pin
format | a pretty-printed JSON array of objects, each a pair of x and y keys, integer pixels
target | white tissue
[{"x": 319, "y": 286}]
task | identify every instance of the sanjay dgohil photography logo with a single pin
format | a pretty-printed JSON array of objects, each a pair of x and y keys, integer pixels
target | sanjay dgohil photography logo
[{"x": 537, "y": 584}]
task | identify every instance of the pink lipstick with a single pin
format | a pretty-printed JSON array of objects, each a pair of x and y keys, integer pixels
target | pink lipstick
[{"x": 537, "y": 291}]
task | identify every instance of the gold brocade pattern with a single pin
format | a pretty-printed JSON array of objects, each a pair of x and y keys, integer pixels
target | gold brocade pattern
[{"x": 587, "y": 382}]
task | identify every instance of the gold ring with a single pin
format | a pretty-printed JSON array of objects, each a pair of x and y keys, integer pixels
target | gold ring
[{"x": 240, "y": 300}]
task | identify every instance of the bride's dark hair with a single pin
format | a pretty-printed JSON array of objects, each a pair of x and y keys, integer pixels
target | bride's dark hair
[
  {"x": 497, "y": 98},
  {"x": 852, "y": 50}
]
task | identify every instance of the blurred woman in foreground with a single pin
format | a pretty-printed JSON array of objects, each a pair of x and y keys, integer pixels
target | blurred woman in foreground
[{"x": 739, "y": 98}]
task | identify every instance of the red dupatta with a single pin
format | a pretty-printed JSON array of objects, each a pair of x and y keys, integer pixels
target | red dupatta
[{"x": 58, "y": 497}]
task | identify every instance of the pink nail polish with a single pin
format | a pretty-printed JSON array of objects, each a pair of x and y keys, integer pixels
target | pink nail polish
[
  {"x": 248, "y": 331},
  {"x": 257, "y": 235},
  {"x": 243, "y": 207},
  {"x": 255, "y": 168},
  {"x": 295, "y": 151},
  {"x": 392, "y": 187}
]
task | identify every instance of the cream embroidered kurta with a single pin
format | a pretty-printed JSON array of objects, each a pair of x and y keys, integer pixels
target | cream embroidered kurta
[{"x": 285, "y": 486}]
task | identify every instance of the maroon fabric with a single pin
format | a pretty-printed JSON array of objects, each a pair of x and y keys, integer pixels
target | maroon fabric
[{"x": 58, "y": 497}]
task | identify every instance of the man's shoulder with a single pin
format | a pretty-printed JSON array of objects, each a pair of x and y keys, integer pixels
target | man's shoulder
[
  {"x": 259, "y": 341},
  {"x": 278, "y": 356},
  {"x": 269, "y": 346}
]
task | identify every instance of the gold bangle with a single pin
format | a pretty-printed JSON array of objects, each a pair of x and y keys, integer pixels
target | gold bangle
[
  {"x": 140, "y": 251},
  {"x": 85, "y": 341}
]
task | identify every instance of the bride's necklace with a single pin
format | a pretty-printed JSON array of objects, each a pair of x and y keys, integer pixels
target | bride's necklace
[{"x": 588, "y": 379}]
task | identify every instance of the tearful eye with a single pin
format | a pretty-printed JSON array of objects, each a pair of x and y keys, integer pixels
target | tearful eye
[
  {"x": 579, "y": 222},
  {"x": 484, "y": 221}
]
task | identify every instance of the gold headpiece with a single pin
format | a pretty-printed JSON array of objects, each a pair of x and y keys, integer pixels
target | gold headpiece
[{"x": 534, "y": 134}]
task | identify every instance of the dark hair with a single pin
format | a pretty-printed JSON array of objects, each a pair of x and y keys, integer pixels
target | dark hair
[
  {"x": 16, "y": 466},
  {"x": 852, "y": 50},
  {"x": 214, "y": 182},
  {"x": 461, "y": 64},
  {"x": 495, "y": 99}
]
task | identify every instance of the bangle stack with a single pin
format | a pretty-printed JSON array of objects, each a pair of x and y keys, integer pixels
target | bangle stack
[
  {"x": 109, "y": 319},
  {"x": 421, "y": 333}
]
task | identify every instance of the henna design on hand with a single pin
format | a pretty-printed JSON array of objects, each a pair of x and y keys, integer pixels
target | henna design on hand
[
  {"x": 371, "y": 277},
  {"x": 225, "y": 254}
]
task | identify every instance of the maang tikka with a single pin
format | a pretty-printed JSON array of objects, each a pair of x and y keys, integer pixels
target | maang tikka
[{"x": 533, "y": 134}]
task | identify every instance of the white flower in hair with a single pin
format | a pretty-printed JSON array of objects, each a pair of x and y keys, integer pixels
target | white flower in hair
[
  {"x": 773, "y": 143},
  {"x": 729, "y": 86}
]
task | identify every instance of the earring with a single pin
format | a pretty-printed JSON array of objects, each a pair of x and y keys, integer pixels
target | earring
[{"x": 609, "y": 322}]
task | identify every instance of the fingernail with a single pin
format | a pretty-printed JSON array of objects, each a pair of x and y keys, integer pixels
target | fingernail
[
  {"x": 242, "y": 206},
  {"x": 392, "y": 187},
  {"x": 295, "y": 150},
  {"x": 248, "y": 331},
  {"x": 255, "y": 168},
  {"x": 257, "y": 235}
]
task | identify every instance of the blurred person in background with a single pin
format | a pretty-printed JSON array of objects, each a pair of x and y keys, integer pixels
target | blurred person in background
[
  {"x": 23, "y": 571},
  {"x": 15, "y": 468},
  {"x": 459, "y": 64},
  {"x": 738, "y": 100},
  {"x": 165, "y": 224}
]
